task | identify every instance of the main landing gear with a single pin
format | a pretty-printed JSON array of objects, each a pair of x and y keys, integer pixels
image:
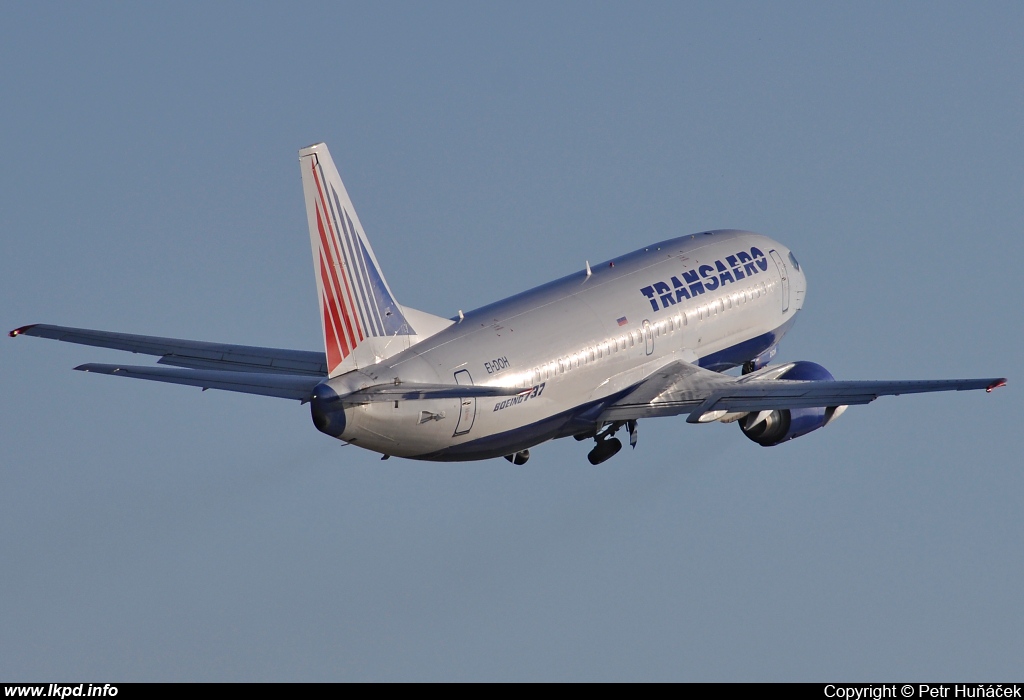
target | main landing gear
[
  {"x": 608, "y": 446},
  {"x": 605, "y": 450}
]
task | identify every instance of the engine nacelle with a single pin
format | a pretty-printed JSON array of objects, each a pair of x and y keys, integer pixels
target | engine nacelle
[
  {"x": 327, "y": 412},
  {"x": 769, "y": 428}
]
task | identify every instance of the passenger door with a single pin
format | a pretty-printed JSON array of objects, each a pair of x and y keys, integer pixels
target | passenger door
[{"x": 784, "y": 274}]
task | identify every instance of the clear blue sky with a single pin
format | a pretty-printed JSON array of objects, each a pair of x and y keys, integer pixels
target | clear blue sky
[{"x": 150, "y": 184}]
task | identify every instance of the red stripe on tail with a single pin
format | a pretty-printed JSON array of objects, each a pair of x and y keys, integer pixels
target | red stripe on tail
[
  {"x": 332, "y": 280},
  {"x": 334, "y": 356},
  {"x": 332, "y": 305},
  {"x": 334, "y": 234}
]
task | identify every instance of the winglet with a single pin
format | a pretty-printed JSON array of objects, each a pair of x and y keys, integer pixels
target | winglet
[
  {"x": 18, "y": 331},
  {"x": 995, "y": 385}
]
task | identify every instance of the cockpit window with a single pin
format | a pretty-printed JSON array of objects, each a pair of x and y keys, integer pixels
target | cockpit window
[{"x": 792, "y": 259}]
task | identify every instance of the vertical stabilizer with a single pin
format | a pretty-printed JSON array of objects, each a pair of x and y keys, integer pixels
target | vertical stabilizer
[{"x": 362, "y": 322}]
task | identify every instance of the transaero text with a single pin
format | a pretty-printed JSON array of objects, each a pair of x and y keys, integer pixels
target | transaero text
[{"x": 706, "y": 278}]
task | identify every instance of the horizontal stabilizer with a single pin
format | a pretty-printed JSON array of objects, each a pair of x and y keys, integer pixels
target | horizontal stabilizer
[
  {"x": 282, "y": 386},
  {"x": 190, "y": 353},
  {"x": 407, "y": 391}
]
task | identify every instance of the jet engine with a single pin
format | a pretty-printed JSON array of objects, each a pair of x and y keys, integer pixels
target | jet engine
[
  {"x": 769, "y": 428},
  {"x": 328, "y": 416}
]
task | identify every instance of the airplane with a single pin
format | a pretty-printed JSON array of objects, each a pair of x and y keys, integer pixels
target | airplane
[{"x": 646, "y": 334}]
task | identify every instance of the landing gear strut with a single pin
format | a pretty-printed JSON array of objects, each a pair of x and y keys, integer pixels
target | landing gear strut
[
  {"x": 608, "y": 446},
  {"x": 519, "y": 458}
]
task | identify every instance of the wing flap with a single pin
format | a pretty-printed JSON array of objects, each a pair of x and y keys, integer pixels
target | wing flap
[
  {"x": 282, "y": 386},
  {"x": 193, "y": 354}
]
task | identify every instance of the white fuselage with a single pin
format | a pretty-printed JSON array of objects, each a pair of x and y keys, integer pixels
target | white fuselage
[
  {"x": 644, "y": 335},
  {"x": 716, "y": 299}
]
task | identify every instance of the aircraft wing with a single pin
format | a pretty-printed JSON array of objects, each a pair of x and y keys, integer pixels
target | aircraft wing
[
  {"x": 193, "y": 354},
  {"x": 284, "y": 386},
  {"x": 681, "y": 387}
]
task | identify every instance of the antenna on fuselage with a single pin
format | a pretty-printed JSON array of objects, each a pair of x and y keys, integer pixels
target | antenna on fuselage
[{"x": 589, "y": 273}]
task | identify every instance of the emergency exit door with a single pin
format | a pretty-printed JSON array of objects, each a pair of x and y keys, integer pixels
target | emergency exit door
[{"x": 467, "y": 408}]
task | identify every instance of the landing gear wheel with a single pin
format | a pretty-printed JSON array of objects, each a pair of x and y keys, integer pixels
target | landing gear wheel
[{"x": 605, "y": 450}]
